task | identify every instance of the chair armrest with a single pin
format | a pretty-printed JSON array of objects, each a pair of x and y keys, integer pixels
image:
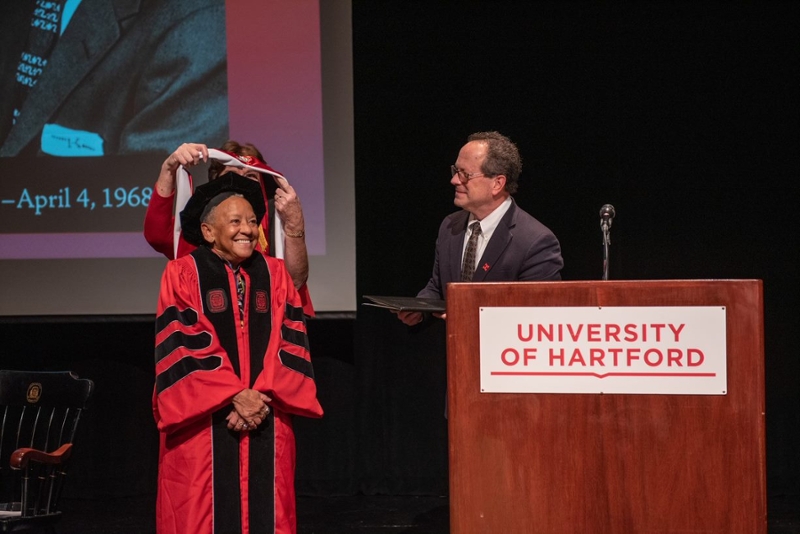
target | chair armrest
[{"x": 21, "y": 457}]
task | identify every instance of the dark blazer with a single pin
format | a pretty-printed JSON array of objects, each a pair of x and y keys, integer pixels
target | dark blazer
[
  {"x": 144, "y": 75},
  {"x": 521, "y": 248}
]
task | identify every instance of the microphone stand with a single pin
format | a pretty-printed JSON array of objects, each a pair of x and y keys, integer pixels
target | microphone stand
[{"x": 605, "y": 226}]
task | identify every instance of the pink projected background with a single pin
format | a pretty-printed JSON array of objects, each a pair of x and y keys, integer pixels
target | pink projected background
[
  {"x": 274, "y": 102},
  {"x": 275, "y": 95}
]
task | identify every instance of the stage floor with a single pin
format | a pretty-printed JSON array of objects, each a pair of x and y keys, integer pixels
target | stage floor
[{"x": 358, "y": 514}]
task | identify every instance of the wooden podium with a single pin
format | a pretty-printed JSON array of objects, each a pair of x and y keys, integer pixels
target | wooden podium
[{"x": 607, "y": 463}]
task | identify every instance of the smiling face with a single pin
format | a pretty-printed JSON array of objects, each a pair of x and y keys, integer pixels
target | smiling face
[
  {"x": 482, "y": 193},
  {"x": 232, "y": 229}
]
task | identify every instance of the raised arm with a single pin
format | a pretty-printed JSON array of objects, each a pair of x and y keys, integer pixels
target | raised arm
[
  {"x": 158, "y": 219},
  {"x": 287, "y": 204},
  {"x": 188, "y": 154}
]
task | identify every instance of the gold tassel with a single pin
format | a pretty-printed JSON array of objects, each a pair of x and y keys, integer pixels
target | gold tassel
[{"x": 262, "y": 240}]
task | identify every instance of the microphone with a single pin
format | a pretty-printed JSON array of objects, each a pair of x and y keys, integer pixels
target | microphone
[{"x": 606, "y": 216}]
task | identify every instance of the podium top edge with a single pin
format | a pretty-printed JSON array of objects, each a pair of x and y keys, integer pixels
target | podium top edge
[{"x": 609, "y": 282}]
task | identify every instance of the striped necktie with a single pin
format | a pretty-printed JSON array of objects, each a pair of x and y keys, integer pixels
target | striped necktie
[
  {"x": 468, "y": 266},
  {"x": 239, "y": 290},
  {"x": 45, "y": 25}
]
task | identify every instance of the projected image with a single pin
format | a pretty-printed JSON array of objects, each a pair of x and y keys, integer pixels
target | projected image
[
  {"x": 113, "y": 89},
  {"x": 88, "y": 78},
  {"x": 96, "y": 94}
]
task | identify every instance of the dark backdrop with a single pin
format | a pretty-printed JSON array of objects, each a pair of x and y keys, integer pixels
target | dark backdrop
[{"x": 684, "y": 116}]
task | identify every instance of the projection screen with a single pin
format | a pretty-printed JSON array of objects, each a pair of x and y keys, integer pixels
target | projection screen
[{"x": 87, "y": 123}]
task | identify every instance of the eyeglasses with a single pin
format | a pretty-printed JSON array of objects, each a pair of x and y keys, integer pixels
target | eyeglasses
[{"x": 465, "y": 177}]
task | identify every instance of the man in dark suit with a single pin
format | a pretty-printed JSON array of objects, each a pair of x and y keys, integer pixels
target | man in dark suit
[
  {"x": 112, "y": 77},
  {"x": 491, "y": 239}
]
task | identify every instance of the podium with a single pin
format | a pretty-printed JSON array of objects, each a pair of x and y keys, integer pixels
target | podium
[{"x": 530, "y": 463}]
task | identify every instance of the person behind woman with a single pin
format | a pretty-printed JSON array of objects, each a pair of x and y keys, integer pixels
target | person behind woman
[{"x": 159, "y": 219}]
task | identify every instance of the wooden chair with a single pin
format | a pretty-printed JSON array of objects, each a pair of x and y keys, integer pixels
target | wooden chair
[{"x": 39, "y": 415}]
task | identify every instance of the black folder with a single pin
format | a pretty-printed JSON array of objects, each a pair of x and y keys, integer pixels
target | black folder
[{"x": 406, "y": 303}]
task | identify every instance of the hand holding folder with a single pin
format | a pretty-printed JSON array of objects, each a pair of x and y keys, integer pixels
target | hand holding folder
[{"x": 409, "y": 304}]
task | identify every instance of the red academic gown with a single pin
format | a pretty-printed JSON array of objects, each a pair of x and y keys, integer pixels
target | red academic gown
[
  {"x": 158, "y": 232},
  {"x": 212, "y": 480}
]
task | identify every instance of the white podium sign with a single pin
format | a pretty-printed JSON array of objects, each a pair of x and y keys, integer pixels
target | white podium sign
[{"x": 642, "y": 350}]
